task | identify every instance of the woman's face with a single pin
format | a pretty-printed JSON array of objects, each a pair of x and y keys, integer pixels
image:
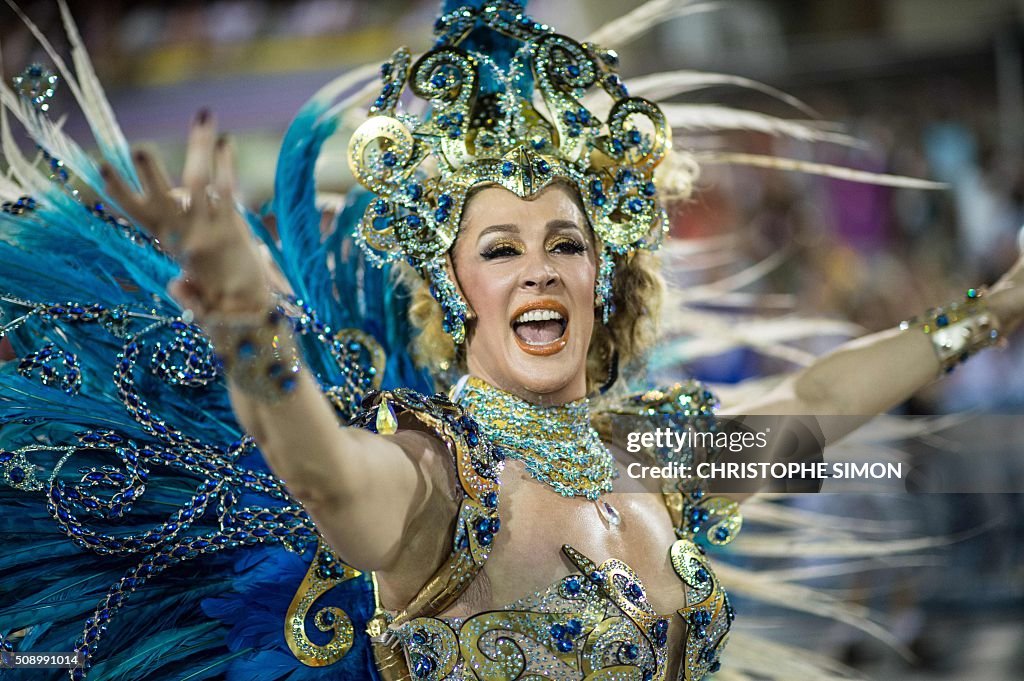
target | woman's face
[{"x": 527, "y": 270}]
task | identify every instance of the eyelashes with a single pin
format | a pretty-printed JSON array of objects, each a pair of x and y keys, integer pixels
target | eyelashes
[
  {"x": 569, "y": 246},
  {"x": 505, "y": 249},
  {"x": 500, "y": 249}
]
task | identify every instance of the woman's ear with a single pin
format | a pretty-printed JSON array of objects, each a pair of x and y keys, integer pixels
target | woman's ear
[{"x": 449, "y": 267}]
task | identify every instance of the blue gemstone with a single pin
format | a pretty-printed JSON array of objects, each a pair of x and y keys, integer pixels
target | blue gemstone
[
  {"x": 491, "y": 499},
  {"x": 16, "y": 475},
  {"x": 570, "y": 117},
  {"x": 660, "y": 627},
  {"x": 441, "y": 215},
  {"x": 649, "y": 189},
  {"x": 573, "y": 585},
  {"x": 438, "y": 80},
  {"x": 596, "y": 577},
  {"x": 389, "y": 158},
  {"x": 472, "y": 438},
  {"x": 483, "y": 525},
  {"x": 574, "y": 627},
  {"x": 6, "y": 456},
  {"x": 564, "y": 645},
  {"x": 328, "y": 617},
  {"x": 485, "y": 538},
  {"x": 423, "y": 666},
  {"x": 414, "y": 221},
  {"x": 634, "y": 136},
  {"x": 380, "y": 207},
  {"x": 722, "y": 533},
  {"x": 418, "y": 638},
  {"x": 444, "y": 201},
  {"x": 617, "y": 146},
  {"x": 558, "y": 631},
  {"x": 599, "y": 200},
  {"x": 584, "y": 116},
  {"x": 636, "y": 204},
  {"x": 495, "y": 525},
  {"x": 942, "y": 321},
  {"x": 702, "y": 575},
  {"x": 573, "y": 70},
  {"x": 631, "y": 651},
  {"x": 543, "y": 167},
  {"x": 507, "y": 168},
  {"x": 634, "y": 591}
]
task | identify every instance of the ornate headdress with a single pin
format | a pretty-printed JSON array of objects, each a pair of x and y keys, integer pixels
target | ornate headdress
[{"x": 513, "y": 115}]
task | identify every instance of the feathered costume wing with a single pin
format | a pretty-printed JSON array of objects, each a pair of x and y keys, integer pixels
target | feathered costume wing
[
  {"x": 140, "y": 526},
  {"x": 116, "y": 432}
]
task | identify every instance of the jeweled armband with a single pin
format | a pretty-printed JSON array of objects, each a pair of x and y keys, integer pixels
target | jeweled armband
[
  {"x": 258, "y": 353},
  {"x": 960, "y": 329}
]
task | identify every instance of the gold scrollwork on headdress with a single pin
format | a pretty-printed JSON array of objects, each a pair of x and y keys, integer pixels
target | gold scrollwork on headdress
[{"x": 502, "y": 136}]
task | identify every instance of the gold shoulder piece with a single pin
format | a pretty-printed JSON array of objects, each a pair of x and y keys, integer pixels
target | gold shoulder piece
[{"x": 325, "y": 572}]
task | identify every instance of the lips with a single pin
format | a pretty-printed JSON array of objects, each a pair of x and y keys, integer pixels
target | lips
[{"x": 541, "y": 327}]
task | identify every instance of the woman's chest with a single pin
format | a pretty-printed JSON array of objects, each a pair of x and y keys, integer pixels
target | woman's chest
[{"x": 536, "y": 523}]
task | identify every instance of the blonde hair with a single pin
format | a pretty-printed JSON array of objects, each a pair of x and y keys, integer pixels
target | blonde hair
[{"x": 637, "y": 291}]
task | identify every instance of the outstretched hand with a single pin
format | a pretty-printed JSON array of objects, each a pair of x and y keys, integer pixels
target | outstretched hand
[
  {"x": 1006, "y": 296},
  {"x": 222, "y": 270}
]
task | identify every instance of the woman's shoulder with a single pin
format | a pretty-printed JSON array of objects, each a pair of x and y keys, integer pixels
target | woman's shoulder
[{"x": 649, "y": 425}]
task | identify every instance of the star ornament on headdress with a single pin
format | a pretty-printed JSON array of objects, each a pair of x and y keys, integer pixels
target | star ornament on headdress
[{"x": 521, "y": 125}]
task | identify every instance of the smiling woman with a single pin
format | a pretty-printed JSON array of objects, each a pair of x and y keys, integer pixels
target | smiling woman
[
  {"x": 529, "y": 282},
  {"x": 557, "y": 219}
]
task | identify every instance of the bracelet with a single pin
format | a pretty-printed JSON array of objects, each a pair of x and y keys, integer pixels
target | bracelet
[
  {"x": 258, "y": 353},
  {"x": 958, "y": 330}
]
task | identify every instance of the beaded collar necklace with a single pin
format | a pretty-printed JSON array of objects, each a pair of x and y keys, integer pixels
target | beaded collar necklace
[{"x": 557, "y": 444}]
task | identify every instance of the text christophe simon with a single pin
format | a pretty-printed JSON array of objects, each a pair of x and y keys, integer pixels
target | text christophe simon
[{"x": 748, "y": 442}]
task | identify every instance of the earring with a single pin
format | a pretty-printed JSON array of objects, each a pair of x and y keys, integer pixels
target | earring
[
  {"x": 603, "y": 285},
  {"x": 443, "y": 289},
  {"x": 613, "y": 373}
]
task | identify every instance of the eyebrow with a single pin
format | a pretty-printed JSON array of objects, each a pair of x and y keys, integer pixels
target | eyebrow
[{"x": 552, "y": 226}]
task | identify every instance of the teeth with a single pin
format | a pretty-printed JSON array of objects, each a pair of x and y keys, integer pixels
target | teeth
[{"x": 537, "y": 316}]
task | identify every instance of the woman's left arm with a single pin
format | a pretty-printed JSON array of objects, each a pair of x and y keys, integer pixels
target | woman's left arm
[{"x": 873, "y": 374}]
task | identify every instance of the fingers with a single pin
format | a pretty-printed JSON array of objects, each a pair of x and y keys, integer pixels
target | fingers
[
  {"x": 199, "y": 156},
  {"x": 225, "y": 179},
  {"x": 119, "y": 191},
  {"x": 155, "y": 182}
]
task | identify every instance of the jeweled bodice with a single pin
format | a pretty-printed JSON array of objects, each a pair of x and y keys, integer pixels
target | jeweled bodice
[{"x": 594, "y": 623}]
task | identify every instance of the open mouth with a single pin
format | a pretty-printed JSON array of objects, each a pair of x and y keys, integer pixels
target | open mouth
[{"x": 541, "y": 327}]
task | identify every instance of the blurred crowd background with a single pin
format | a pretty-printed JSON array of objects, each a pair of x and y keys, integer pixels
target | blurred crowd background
[{"x": 933, "y": 88}]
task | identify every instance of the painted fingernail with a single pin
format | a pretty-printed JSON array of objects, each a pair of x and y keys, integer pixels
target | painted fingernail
[{"x": 203, "y": 116}]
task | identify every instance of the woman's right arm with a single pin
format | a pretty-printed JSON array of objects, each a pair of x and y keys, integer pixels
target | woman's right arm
[{"x": 361, "y": 489}]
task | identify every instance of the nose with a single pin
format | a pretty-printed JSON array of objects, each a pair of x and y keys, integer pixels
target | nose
[{"x": 539, "y": 275}]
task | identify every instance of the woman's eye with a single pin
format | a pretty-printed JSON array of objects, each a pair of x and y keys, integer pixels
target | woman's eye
[
  {"x": 569, "y": 246},
  {"x": 499, "y": 251}
]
